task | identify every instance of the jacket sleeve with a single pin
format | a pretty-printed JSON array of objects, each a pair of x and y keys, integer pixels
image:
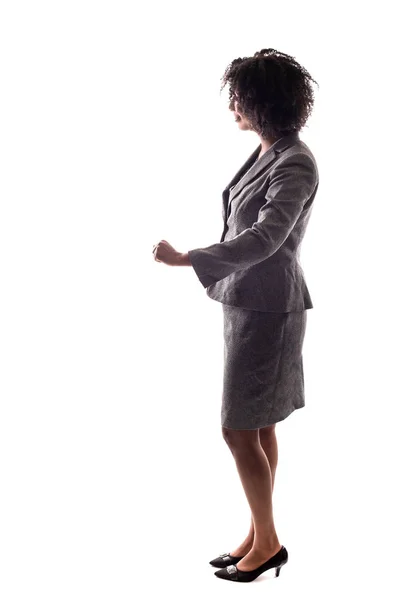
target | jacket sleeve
[{"x": 293, "y": 182}]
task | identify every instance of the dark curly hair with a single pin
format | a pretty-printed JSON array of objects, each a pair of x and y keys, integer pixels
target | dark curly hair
[{"x": 273, "y": 92}]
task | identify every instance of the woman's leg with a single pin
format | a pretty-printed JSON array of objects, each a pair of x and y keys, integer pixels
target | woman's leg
[
  {"x": 257, "y": 479},
  {"x": 269, "y": 444}
]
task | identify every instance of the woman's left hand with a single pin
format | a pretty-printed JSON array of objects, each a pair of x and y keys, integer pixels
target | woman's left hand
[{"x": 164, "y": 252}]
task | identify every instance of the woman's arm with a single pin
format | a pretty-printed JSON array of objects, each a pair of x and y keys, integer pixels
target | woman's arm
[
  {"x": 184, "y": 260},
  {"x": 293, "y": 183}
]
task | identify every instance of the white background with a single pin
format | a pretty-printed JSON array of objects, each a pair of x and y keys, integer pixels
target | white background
[{"x": 115, "y": 479}]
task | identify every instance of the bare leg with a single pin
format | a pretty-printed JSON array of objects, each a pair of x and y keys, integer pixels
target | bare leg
[
  {"x": 269, "y": 444},
  {"x": 256, "y": 477}
]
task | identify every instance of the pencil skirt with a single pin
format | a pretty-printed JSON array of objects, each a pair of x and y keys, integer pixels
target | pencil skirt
[{"x": 263, "y": 378}]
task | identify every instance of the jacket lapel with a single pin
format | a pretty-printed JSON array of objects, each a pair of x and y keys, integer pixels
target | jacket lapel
[
  {"x": 268, "y": 156},
  {"x": 234, "y": 181},
  {"x": 236, "y": 185}
]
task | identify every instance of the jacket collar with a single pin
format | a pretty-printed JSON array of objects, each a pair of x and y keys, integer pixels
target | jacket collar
[{"x": 238, "y": 182}]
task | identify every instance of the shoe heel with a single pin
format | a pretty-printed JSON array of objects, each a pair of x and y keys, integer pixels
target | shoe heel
[{"x": 277, "y": 571}]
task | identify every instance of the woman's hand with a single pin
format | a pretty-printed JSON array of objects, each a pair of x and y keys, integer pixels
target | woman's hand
[{"x": 164, "y": 252}]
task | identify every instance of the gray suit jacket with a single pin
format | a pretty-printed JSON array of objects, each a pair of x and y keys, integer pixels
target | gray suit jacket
[{"x": 256, "y": 265}]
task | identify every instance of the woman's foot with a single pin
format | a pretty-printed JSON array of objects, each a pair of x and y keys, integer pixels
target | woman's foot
[
  {"x": 244, "y": 547},
  {"x": 256, "y": 557}
]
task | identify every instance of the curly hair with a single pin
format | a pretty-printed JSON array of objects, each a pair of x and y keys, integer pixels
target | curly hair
[{"x": 273, "y": 92}]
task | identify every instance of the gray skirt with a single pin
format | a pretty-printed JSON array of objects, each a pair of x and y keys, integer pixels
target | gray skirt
[{"x": 263, "y": 380}]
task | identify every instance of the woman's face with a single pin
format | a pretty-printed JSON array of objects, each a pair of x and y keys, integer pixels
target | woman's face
[{"x": 240, "y": 119}]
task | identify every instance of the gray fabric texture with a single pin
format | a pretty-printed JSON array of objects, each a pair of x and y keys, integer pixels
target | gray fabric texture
[
  {"x": 265, "y": 209},
  {"x": 263, "y": 380}
]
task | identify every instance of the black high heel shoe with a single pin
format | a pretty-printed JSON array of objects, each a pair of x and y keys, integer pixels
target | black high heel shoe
[
  {"x": 234, "y": 574},
  {"x": 224, "y": 560}
]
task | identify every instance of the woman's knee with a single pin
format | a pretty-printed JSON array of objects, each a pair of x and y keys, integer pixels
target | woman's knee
[
  {"x": 267, "y": 432},
  {"x": 240, "y": 438}
]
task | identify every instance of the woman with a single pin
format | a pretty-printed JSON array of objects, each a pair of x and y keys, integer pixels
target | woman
[{"x": 255, "y": 273}]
